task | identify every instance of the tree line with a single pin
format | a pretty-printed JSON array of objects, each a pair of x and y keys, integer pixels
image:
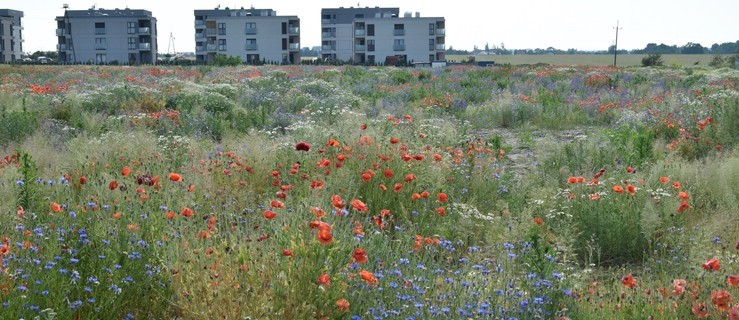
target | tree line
[{"x": 651, "y": 48}]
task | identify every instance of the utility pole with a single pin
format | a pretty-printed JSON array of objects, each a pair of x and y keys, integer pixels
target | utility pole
[
  {"x": 615, "y": 47},
  {"x": 170, "y": 45}
]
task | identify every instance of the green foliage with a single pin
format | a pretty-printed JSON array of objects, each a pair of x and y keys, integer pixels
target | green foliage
[
  {"x": 222, "y": 60},
  {"x": 15, "y": 126},
  {"x": 28, "y": 193},
  {"x": 652, "y": 60}
]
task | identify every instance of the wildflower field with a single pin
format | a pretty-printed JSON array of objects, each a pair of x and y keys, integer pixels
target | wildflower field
[{"x": 308, "y": 192}]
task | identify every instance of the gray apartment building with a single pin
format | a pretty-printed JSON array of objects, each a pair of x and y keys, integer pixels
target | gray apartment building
[
  {"x": 11, "y": 35},
  {"x": 101, "y": 36},
  {"x": 372, "y": 35},
  {"x": 255, "y": 35}
]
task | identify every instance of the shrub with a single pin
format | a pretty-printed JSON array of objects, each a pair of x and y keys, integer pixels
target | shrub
[{"x": 652, "y": 60}]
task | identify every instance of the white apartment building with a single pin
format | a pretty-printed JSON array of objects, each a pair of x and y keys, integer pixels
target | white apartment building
[
  {"x": 255, "y": 35},
  {"x": 379, "y": 35},
  {"x": 11, "y": 35},
  {"x": 101, "y": 36}
]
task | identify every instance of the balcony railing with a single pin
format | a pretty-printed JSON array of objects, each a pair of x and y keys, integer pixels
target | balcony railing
[
  {"x": 211, "y": 47},
  {"x": 360, "y": 32},
  {"x": 250, "y": 31},
  {"x": 101, "y": 46},
  {"x": 440, "y": 47},
  {"x": 199, "y": 48},
  {"x": 399, "y": 32},
  {"x": 99, "y": 30},
  {"x": 293, "y": 30},
  {"x": 210, "y": 32},
  {"x": 145, "y": 30},
  {"x": 199, "y": 35},
  {"x": 359, "y": 47},
  {"x": 199, "y": 23},
  {"x": 61, "y": 47},
  {"x": 440, "y": 32},
  {"x": 294, "y": 46},
  {"x": 328, "y": 34},
  {"x": 327, "y": 21},
  {"x": 399, "y": 47},
  {"x": 328, "y": 48},
  {"x": 251, "y": 47},
  {"x": 144, "y": 46},
  {"x": 60, "y": 32}
]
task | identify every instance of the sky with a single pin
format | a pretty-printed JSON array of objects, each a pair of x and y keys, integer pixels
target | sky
[{"x": 517, "y": 24}]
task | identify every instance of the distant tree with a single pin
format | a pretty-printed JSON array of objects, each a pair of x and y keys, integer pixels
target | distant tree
[
  {"x": 224, "y": 60},
  {"x": 487, "y": 47},
  {"x": 652, "y": 60},
  {"x": 692, "y": 48}
]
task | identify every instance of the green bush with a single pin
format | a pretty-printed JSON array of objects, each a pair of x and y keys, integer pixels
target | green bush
[{"x": 652, "y": 60}]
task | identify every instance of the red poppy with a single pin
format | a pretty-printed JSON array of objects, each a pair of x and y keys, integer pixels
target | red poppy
[
  {"x": 394, "y": 140},
  {"x": 325, "y": 237},
  {"x": 572, "y": 180},
  {"x": 388, "y": 173},
  {"x": 204, "y": 234},
  {"x": 628, "y": 281},
  {"x": 366, "y": 177},
  {"x": 630, "y": 170},
  {"x": 441, "y": 211},
  {"x": 416, "y": 196},
  {"x": 125, "y": 171},
  {"x": 664, "y": 179},
  {"x": 318, "y": 212},
  {"x": 618, "y": 189},
  {"x": 112, "y": 185},
  {"x": 734, "y": 313},
  {"x": 170, "y": 215},
  {"x": 382, "y": 187},
  {"x": 712, "y": 265},
  {"x": 676, "y": 185},
  {"x": 337, "y": 202},
  {"x": 359, "y": 205},
  {"x": 631, "y": 189},
  {"x": 55, "y": 207},
  {"x": 683, "y": 206},
  {"x": 288, "y": 253},
  {"x": 4, "y": 249},
  {"x": 342, "y": 304},
  {"x": 191, "y": 188},
  {"x": 721, "y": 299},
  {"x": 409, "y": 177},
  {"x": 368, "y": 277},
  {"x": 733, "y": 280},
  {"x": 320, "y": 226},
  {"x": 678, "y": 286},
  {"x": 117, "y": 215},
  {"x": 186, "y": 212},
  {"x": 332, "y": 143},
  {"x": 425, "y": 194},
  {"x": 594, "y": 196},
  {"x": 269, "y": 214},
  {"x": 276, "y": 204},
  {"x": 683, "y": 195},
  {"x": 398, "y": 187},
  {"x": 442, "y": 197},
  {"x": 83, "y": 179},
  {"x": 437, "y": 157},
  {"x": 302, "y": 146},
  {"x": 700, "y": 310},
  {"x": 538, "y": 221},
  {"x": 316, "y": 184},
  {"x": 324, "y": 280},
  {"x": 360, "y": 255}
]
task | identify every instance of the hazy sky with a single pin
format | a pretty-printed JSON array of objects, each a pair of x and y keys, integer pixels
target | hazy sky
[{"x": 519, "y": 24}]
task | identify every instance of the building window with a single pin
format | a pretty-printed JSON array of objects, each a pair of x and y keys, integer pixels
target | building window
[
  {"x": 399, "y": 29},
  {"x": 222, "y": 29},
  {"x": 285, "y": 58},
  {"x": 370, "y": 44},
  {"x": 251, "y": 44},
  {"x": 431, "y": 45},
  {"x": 399, "y": 45},
  {"x": 431, "y": 58},
  {"x": 99, "y": 28},
  {"x": 131, "y": 27},
  {"x": 252, "y": 58},
  {"x": 432, "y": 29},
  {"x": 131, "y": 43},
  {"x": 370, "y": 30},
  {"x": 371, "y": 59},
  {"x": 251, "y": 28},
  {"x": 100, "y": 44},
  {"x": 221, "y": 44},
  {"x": 101, "y": 58}
]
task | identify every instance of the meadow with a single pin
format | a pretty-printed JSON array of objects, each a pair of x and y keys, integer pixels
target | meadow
[
  {"x": 623, "y": 60},
  {"x": 320, "y": 192}
]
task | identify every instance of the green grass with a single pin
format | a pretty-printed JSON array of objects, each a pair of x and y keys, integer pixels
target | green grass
[{"x": 623, "y": 60}]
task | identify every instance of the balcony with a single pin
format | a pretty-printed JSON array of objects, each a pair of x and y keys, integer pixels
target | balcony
[
  {"x": 440, "y": 32},
  {"x": 210, "y": 32},
  {"x": 251, "y": 47},
  {"x": 359, "y": 47},
  {"x": 211, "y": 47},
  {"x": 61, "y": 32},
  {"x": 101, "y": 46},
  {"x": 327, "y": 21},
  {"x": 199, "y": 35},
  {"x": 360, "y": 32},
  {"x": 440, "y": 47},
  {"x": 399, "y": 47},
  {"x": 199, "y": 48},
  {"x": 328, "y": 48},
  {"x": 250, "y": 31},
  {"x": 99, "y": 30},
  {"x": 293, "y": 31},
  {"x": 294, "y": 46},
  {"x": 199, "y": 23},
  {"x": 145, "y": 46},
  {"x": 328, "y": 34},
  {"x": 399, "y": 32},
  {"x": 61, "y": 47},
  {"x": 144, "y": 30}
]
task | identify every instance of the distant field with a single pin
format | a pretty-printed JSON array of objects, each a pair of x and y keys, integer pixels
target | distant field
[{"x": 589, "y": 59}]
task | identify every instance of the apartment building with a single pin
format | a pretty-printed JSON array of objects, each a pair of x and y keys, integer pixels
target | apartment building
[
  {"x": 255, "y": 35},
  {"x": 377, "y": 35},
  {"x": 101, "y": 36},
  {"x": 11, "y": 35}
]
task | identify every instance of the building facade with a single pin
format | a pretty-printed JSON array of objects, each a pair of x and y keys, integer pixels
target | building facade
[
  {"x": 254, "y": 35},
  {"x": 11, "y": 35},
  {"x": 380, "y": 35},
  {"x": 103, "y": 36}
]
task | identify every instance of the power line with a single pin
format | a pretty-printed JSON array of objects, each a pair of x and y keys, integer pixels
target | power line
[{"x": 615, "y": 47}]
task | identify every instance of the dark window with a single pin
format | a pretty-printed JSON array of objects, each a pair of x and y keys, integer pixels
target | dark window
[{"x": 370, "y": 30}]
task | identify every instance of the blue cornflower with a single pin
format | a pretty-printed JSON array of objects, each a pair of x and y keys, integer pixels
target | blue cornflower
[{"x": 21, "y": 288}]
